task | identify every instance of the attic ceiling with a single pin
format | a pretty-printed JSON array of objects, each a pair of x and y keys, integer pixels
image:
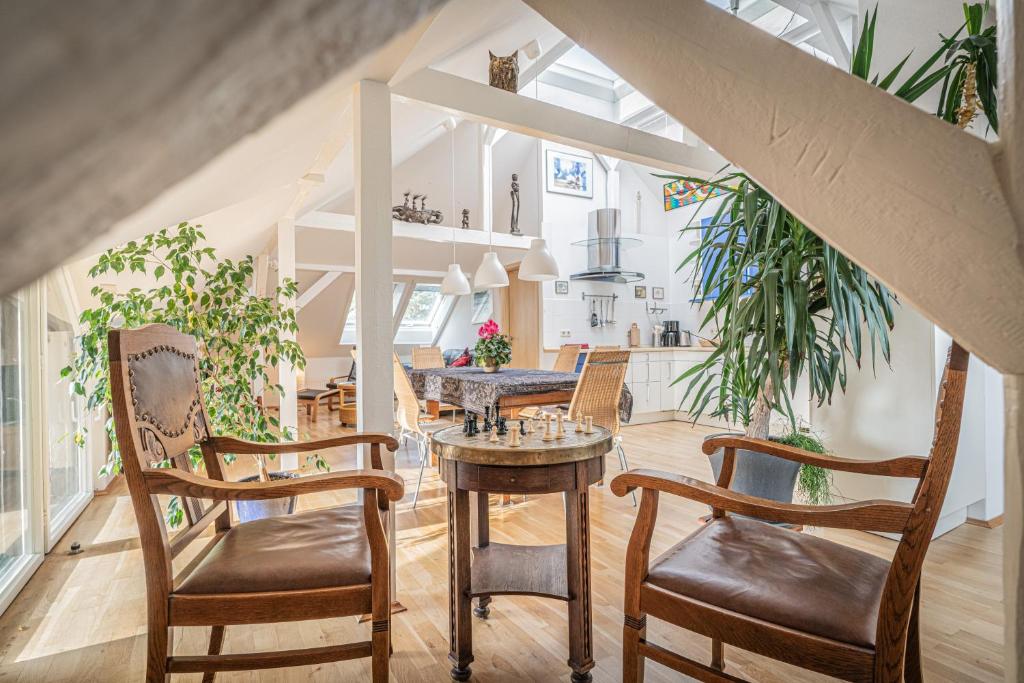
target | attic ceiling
[{"x": 239, "y": 196}]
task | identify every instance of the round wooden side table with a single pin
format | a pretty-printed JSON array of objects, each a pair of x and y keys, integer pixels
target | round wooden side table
[{"x": 562, "y": 572}]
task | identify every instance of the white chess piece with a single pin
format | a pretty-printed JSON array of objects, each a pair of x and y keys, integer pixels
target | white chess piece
[
  {"x": 589, "y": 428},
  {"x": 494, "y": 435}
]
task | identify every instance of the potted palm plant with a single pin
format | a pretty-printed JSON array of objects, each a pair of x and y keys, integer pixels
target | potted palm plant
[
  {"x": 239, "y": 334},
  {"x": 784, "y": 302}
]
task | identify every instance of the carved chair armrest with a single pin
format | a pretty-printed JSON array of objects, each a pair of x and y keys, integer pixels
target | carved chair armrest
[
  {"x": 228, "y": 444},
  {"x": 178, "y": 483},
  {"x": 906, "y": 466},
  {"x": 870, "y": 515}
]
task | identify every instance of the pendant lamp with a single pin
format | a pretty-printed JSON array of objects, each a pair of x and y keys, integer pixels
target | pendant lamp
[
  {"x": 491, "y": 274},
  {"x": 538, "y": 265},
  {"x": 455, "y": 281}
]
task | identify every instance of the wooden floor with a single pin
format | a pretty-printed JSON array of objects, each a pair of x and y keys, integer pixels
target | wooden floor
[{"x": 82, "y": 617}]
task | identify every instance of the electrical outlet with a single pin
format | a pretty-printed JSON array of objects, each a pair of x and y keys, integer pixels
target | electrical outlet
[{"x": 566, "y": 333}]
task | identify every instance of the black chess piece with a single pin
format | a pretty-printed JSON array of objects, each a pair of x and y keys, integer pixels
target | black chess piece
[
  {"x": 502, "y": 426},
  {"x": 487, "y": 420},
  {"x": 522, "y": 427},
  {"x": 474, "y": 428},
  {"x": 465, "y": 423}
]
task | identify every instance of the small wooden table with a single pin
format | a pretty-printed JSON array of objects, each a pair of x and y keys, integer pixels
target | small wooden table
[{"x": 562, "y": 572}]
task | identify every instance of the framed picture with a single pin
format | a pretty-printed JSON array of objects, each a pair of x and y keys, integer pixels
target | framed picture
[
  {"x": 683, "y": 193},
  {"x": 658, "y": 293},
  {"x": 561, "y": 286},
  {"x": 570, "y": 174},
  {"x": 483, "y": 307},
  {"x": 640, "y": 292}
]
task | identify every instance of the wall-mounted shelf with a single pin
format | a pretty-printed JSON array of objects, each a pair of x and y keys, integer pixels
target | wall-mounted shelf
[{"x": 328, "y": 220}]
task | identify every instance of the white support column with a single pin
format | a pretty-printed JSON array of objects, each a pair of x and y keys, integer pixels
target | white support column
[
  {"x": 1013, "y": 530},
  {"x": 287, "y": 376},
  {"x": 371, "y": 118},
  {"x": 487, "y": 178}
]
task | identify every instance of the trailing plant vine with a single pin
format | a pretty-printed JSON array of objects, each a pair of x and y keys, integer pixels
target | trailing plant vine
[{"x": 240, "y": 334}]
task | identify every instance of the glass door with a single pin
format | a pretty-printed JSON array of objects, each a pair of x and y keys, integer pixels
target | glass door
[
  {"x": 16, "y": 463},
  {"x": 69, "y": 478}
]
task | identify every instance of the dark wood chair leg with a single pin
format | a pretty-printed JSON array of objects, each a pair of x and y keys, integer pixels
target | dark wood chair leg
[
  {"x": 216, "y": 642},
  {"x": 634, "y": 630},
  {"x": 912, "y": 672},
  {"x": 381, "y": 647},
  {"x": 717, "y": 655}
]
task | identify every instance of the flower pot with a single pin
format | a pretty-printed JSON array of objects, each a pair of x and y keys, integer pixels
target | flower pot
[
  {"x": 757, "y": 474},
  {"x": 491, "y": 367},
  {"x": 251, "y": 510}
]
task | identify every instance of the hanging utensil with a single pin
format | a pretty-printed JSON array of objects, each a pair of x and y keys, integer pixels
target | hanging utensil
[
  {"x": 611, "y": 313},
  {"x": 593, "y": 313}
]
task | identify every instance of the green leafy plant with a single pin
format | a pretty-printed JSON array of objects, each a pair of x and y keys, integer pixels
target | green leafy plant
[
  {"x": 970, "y": 84},
  {"x": 814, "y": 483},
  {"x": 492, "y": 347},
  {"x": 783, "y": 300},
  {"x": 239, "y": 333}
]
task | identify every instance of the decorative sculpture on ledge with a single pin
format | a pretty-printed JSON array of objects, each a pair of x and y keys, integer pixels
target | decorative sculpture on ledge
[
  {"x": 514, "y": 230},
  {"x": 411, "y": 214},
  {"x": 465, "y": 218}
]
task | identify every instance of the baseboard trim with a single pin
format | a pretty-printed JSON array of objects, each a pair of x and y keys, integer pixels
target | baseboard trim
[{"x": 993, "y": 523}]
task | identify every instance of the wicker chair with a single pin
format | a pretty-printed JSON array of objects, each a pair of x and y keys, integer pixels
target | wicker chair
[
  {"x": 598, "y": 392},
  {"x": 408, "y": 416},
  {"x": 568, "y": 355},
  {"x": 425, "y": 358}
]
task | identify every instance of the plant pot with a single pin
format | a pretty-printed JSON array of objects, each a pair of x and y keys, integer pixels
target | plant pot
[
  {"x": 491, "y": 367},
  {"x": 251, "y": 510},
  {"x": 757, "y": 474}
]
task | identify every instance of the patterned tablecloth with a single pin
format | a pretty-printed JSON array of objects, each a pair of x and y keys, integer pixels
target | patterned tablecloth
[{"x": 474, "y": 389}]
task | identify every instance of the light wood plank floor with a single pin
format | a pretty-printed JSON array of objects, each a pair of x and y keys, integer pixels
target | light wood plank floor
[{"x": 82, "y": 618}]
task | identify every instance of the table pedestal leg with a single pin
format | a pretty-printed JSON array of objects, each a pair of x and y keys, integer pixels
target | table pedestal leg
[
  {"x": 482, "y": 540},
  {"x": 433, "y": 409},
  {"x": 460, "y": 628},
  {"x": 577, "y": 555}
]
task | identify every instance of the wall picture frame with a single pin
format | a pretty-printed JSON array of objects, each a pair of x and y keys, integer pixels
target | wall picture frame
[
  {"x": 568, "y": 173},
  {"x": 640, "y": 292},
  {"x": 658, "y": 293},
  {"x": 561, "y": 286}
]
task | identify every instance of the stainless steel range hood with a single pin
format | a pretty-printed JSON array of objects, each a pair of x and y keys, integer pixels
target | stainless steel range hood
[{"x": 604, "y": 245}]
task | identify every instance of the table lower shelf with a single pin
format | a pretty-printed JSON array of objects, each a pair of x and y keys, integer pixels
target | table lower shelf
[{"x": 504, "y": 569}]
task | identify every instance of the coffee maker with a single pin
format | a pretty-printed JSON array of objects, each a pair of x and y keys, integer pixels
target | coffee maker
[{"x": 670, "y": 337}]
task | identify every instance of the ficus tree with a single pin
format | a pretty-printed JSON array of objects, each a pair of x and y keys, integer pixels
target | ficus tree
[{"x": 240, "y": 334}]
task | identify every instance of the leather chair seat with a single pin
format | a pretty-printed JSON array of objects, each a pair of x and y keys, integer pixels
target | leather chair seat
[
  {"x": 770, "y": 573},
  {"x": 316, "y": 549}
]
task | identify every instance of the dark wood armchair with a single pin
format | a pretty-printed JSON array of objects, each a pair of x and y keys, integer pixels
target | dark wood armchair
[
  {"x": 793, "y": 597},
  {"x": 311, "y": 565}
]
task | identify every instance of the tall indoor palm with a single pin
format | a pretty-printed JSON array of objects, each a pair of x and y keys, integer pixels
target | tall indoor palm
[{"x": 780, "y": 299}]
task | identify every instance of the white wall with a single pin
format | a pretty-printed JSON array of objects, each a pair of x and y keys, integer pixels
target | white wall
[{"x": 517, "y": 154}]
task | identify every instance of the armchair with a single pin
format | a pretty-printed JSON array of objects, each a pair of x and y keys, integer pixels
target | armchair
[
  {"x": 312, "y": 565},
  {"x": 793, "y": 597}
]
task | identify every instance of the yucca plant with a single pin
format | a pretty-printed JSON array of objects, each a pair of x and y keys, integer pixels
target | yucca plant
[{"x": 782, "y": 300}]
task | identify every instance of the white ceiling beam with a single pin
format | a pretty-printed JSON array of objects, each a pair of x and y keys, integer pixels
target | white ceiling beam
[
  {"x": 527, "y": 116},
  {"x": 398, "y": 272},
  {"x": 556, "y": 52},
  {"x": 801, "y": 33},
  {"x": 316, "y": 288},
  {"x": 756, "y": 10},
  {"x": 830, "y": 32},
  {"x": 908, "y": 196}
]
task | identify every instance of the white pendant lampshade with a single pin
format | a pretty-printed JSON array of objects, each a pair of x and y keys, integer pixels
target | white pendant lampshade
[
  {"x": 491, "y": 274},
  {"x": 455, "y": 282},
  {"x": 538, "y": 265}
]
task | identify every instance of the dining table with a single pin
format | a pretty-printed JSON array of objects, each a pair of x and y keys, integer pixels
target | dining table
[{"x": 503, "y": 392}]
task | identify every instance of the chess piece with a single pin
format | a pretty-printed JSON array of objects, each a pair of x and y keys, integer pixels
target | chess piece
[
  {"x": 589, "y": 428},
  {"x": 474, "y": 428},
  {"x": 487, "y": 419},
  {"x": 514, "y": 438},
  {"x": 522, "y": 428},
  {"x": 502, "y": 426},
  {"x": 529, "y": 426},
  {"x": 494, "y": 435},
  {"x": 579, "y": 426},
  {"x": 548, "y": 436},
  {"x": 560, "y": 433}
]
